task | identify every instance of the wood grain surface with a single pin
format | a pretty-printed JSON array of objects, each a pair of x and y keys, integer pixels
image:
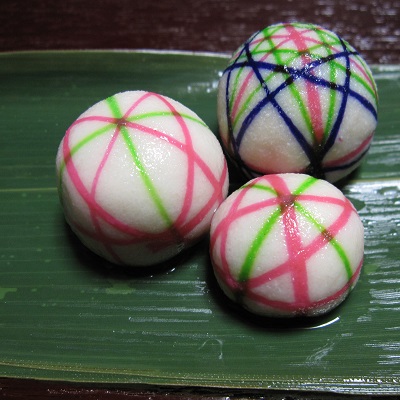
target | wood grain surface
[{"x": 372, "y": 27}]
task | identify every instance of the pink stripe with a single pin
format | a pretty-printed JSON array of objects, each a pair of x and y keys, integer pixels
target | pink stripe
[
  {"x": 191, "y": 156},
  {"x": 216, "y": 198},
  {"x": 313, "y": 99},
  {"x": 361, "y": 69},
  {"x": 239, "y": 96},
  {"x": 235, "y": 213},
  {"x": 67, "y": 155},
  {"x": 131, "y": 234},
  {"x": 317, "y": 244},
  {"x": 96, "y": 211},
  {"x": 293, "y": 240},
  {"x": 137, "y": 103},
  {"x": 95, "y": 218},
  {"x": 353, "y": 154},
  {"x": 104, "y": 161},
  {"x": 182, "y": 225},
  {"x": 222, "y": 230},
  {"x": 250, "y": 74},
  {"x": 298, "y": 254},
  {"x": 87, "y": 196},
  {"x": 293, "y": 306},
  {"x": 94, "y": 118}
]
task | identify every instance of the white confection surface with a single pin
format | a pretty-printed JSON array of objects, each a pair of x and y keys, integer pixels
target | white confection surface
[
  {"x": 152, "y": 172},
  {"x": 277, "y": 97},
  {"x": 316, "y": 243}
]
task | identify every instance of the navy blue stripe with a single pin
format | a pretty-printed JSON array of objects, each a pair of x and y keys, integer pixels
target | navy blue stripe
[
  {"x": 339, "y": 119},
  {"x": 270, "y": 98}
]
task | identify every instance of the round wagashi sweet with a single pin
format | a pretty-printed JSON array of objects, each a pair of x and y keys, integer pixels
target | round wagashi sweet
[
  {"x": 287, "y": 245},
  {"x": 296, "y": 97},
  {"x": 139, "y": 177}
]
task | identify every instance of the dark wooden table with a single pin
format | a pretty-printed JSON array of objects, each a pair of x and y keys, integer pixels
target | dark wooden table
[{"x": 372, "y": 26}]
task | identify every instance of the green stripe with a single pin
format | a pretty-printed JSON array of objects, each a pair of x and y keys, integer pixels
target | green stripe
[
  {"x": 85, "y": 141},
  {"x": 322, "y": 35},
  {"x": 255, "y": 246},
  {"x": 309, "y": 181},
  {"x": 164, "y": 114},
  {"x": 261, "y": 187},
  {"x": 294, "y": 91},
  {"x": 326, "y": 38},
  {"x": 73, "y": 151},
  {"x": 244, "y": 107},
  {"x": 357, "y": 78},
  {"x": 266, "y": 228},
  {"x": 334, "y": 243},
  {"x": 140, "y": 167}
]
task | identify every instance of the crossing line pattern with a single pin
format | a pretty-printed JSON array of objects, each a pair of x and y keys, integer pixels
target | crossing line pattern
[
  {"x": 122, "y": 127},
  {"x": 318, "y": 74},
  {"x": 286, "y": 209}
]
